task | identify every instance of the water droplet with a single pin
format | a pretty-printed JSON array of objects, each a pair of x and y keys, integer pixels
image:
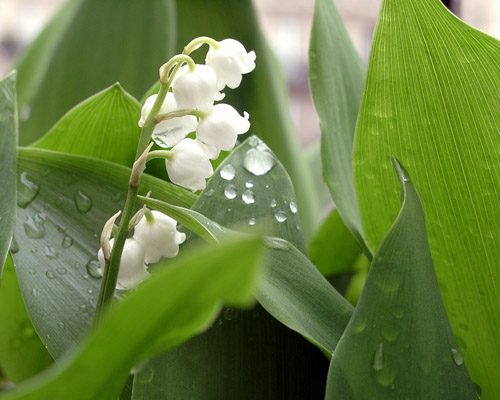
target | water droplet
[
  {"x": 280, "y": 216},
  {"x": 35, "y": 292},
  {"x": 27, "y": 190},
  {"x": 251, "y": 221},
  {"x": 385, "y": 377},
  {"x": 227, "y": 172},
  {"x": 90, "y": 291},
  {"x": 359, "y": 326},
  {"x": 145, "y": 375},
  {"x": 274, "y": 203},
  {"x": 14, "y": 246},
  {"x": 230, "y": 314},
  {"x": 278, "y": 244},
  {"x": 33, "y": 226},
  {"x": 458, "y": 358},
  {"x": 293, "y": 207},
  {"x": 61, "y": 270},
  {"x": 378, "y": 358},
  {"x": 94, "y": 269},
  {"x": 83, "y": 307},
  {"x": 83, "y": 202},
  {"x": 60, "y": 324},
  {"x": 25, "y": 113},
  {"x": 209, "y": 192},
  {"x": 248, "y": 197},
  {"x": 50, "y": 252},
  {"x": 390, "y": 332},
  {"x": 249, "y": 184},
  {"x": 230, "y": 192},
  {"x": 259, "y": 160},
  {"x": 67, "y": 242},
  {"x": 50, "y": 274}
]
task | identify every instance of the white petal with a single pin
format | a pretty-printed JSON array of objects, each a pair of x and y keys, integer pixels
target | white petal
[
  {"x": 189, "y": 165},
  {"x": 159, "y": 238},
  {"x": 195, "y": 89},
  {"x": 169, "y": 133}
]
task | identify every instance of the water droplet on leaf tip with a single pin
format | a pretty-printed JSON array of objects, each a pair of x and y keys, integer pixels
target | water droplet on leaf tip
[
  {"x": 227, "y": 172},
  {"x": 14, "y": 246},
  {"x": 83, "y": 202},
  {"x": 259, "y": 161},
  {"x": 230, "y": 192},
  {"x": 27, "y": 190}
]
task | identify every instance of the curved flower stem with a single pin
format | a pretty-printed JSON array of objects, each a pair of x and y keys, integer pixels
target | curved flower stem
[
  {"x": 164, "y": 154},
  {"x": 198, "y": 42},
  {"x": 181, "y": 113},
  {"x": 112, "y": 266}
]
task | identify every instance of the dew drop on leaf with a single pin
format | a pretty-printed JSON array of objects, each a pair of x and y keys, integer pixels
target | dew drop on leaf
[
  {"x": 249, "y": 184},
  {"x": 280, "y": 216},
  {"x": 50, "y": 252},
  {"x": 94, "y": 269},
  {"x": 227, "y": 172},
  {"x": 248, "y": 197},
  {"x": 50, "y": 274},
  {"x": 293, "y": 207},
  {"x": 67, "y": 242},
  {"x": 27, "y": 190},
  {"x": 14, "y": 246},
  {"x": 83, "y": 202},
  {"x": 378, "y": 358},
  {"x": 34, "y": 227},
  {"x": 251, "y": 221},
  {"x": 458, "y": 358},
  {"x": 230, "y": 192},
  {"x": 259, "y": 160}
]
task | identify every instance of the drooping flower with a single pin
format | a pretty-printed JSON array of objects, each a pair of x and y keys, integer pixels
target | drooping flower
[
  {"x": 221, "y": 126},
  {"x": 195, "y": 88},
  {"x": 230, "y": 60},
  {"x": 189, "y": 165},
  {"x": 169, "y": 132},
  {"x": 132, "y": 268},
  {"x": 158, "y": 237}
]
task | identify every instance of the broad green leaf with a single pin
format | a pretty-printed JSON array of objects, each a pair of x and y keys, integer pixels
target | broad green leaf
[
  {"x": 58, "y": 236},
  {"x": 90, "y": 45},
  {"x": 103, "y": 126},
  {"x": 250, "y": 355},
  {"x": 22, "y": 354},
  {"x": 251, "y": 188},
  {"x": 399, "y": 344},
  {"x": 334, "y": 250},
  {"x": 292, "y": 290},
  {"x": 336, "y": 75},
  {"x": 8, "y": 144},
  {"x": 178, "y": 301},
  {"x": 262, "y": 92},
  {"x": 431, "y": 97}
]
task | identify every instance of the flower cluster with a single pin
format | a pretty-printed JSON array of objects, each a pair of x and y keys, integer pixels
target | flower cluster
[
  {"x": 190, "y": 107},
  {"x": 155, "y": 236}
]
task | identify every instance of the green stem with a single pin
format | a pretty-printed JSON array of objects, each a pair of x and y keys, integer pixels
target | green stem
[
  {"x": 164, "y": 154},
  {"x": 181, "y": 113},
  {"x": 198, "y": 42},
  {"x": 112, "y": 266}
]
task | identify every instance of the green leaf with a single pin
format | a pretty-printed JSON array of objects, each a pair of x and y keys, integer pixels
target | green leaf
[
  {"x": 103, "y": 126},
  {"x": 191, "y": 289},
  {"x": 58, "y": 236},
  {"x": 336, "y": 75},
  {"x": 262, "y": 92},
  {"x": 22, "y": 354},
  {"x": 432, "y": 98},
  {"x": 334, "y": 250},
  {"x": 251, "y": 188},
  {"x": 8, "y": 144},
  {"x": 399, "y": 343},
  {"x": 82, "y": 52}
]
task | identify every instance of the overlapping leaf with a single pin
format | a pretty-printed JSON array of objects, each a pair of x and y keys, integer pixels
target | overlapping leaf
[
  {"x": 399, "y": 343},
  {"x": 129, "y": 330},
  {"x": 431, "y": 97},
  {"x": 8, "y": 144},
  {"x": 67, "y": 199}
]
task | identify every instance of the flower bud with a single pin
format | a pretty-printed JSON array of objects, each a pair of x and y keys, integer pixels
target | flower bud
[
  {"x": 220, "y": 127},
  {"x": 169, "y": 132},
  {"x": 189, "y": 165},
  {"x": 230, "y": 60},
  {"x": 132, "y": 268},
  {"x": 159, "y": 237},
  {"x": 196, "y": 88}
]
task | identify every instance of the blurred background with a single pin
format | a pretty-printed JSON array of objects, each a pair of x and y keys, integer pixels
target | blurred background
[{"x": 282, "y": 21}]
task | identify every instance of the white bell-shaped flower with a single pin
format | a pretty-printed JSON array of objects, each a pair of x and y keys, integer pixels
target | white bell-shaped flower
[
  {"x": 159, "y": 237},
  {"x": 170, "y": 132},
  {"x": 132, "y": 268},
  {"x": 196, "y": 88},
  {"x": 189, "y": 165},
  {"x": 230, "y": 60},
  {"x": 221, "y": 126}
]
